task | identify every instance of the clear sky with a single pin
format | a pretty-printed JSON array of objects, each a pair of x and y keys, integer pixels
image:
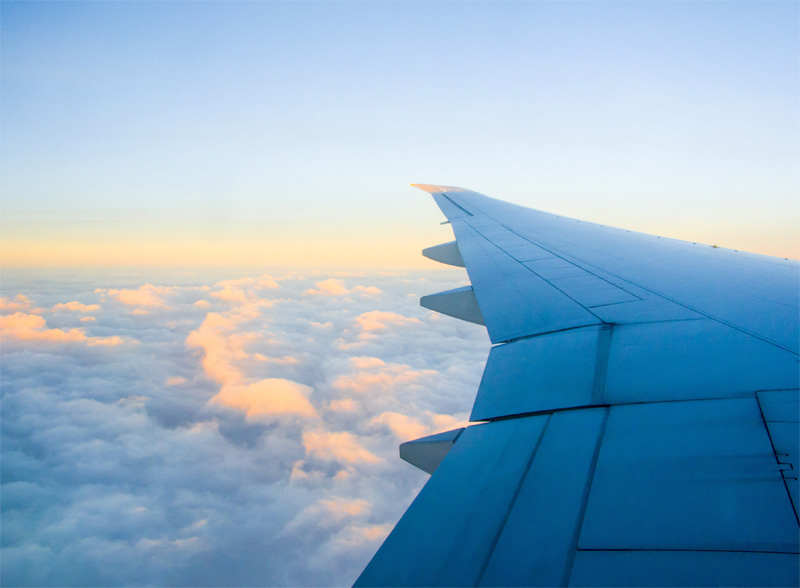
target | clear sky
[{"x": 286, "y": 133}]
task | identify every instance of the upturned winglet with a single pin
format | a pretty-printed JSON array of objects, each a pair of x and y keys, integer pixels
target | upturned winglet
[{"x": 433, "y": 189}]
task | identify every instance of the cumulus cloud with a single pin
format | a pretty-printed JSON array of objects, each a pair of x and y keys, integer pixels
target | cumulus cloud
[
  {"x": 329, "y": 287},
  {"x": 336, "y": 287},
  {"x": 363, "y": 363},
  {"x": 19, "y": 302},
  {"x": 406, "y": 427},
  {"x": 32, "y": 327},
  {"x": 367, "y": 290},
  {"x": 243, "y": 289},
  {"x": 341, "y": 446},
  {"x": 343, "y": 405},
  {"x": 358, "y": 534},
  {"x": 105, "y": 341},
  {"x": 343, "y": 507},
  {"x": 379, "y": 377},
  {"x": 286, "y": 359},
  {"x": 224, "y": 347},
  {"x": 267, "y": 397},
  {"x": 238, "y": 442},
  {"x": 377, "y": 320},
  {"x": 147, "y": 295},
  {"x": 75, "y": 306},
  {"x": 175, "y": 381}
]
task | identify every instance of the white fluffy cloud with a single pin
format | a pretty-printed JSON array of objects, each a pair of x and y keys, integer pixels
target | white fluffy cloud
[
  {"x": 75, "y": 306},
  {"x": 147, "y": 295},
  {"x": 336, "y": 287},
  {"x": 19, "y": 302},
  {"x": 234, "y": 431},
  {"x": 32, "y": 327}
]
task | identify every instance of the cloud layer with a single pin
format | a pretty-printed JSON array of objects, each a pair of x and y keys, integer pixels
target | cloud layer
[{"x": 233, "y": 430}]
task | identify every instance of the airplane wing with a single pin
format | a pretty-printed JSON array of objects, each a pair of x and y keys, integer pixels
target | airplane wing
[{"x": 638, "y": 413}]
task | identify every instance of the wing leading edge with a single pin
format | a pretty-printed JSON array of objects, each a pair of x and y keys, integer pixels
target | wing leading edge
[{"x": 638, "y": 413}]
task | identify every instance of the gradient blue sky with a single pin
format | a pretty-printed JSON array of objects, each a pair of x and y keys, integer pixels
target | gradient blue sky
[{"x": 272, "y": 133}]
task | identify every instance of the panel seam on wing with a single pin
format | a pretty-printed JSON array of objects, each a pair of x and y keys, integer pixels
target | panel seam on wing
[
  {"x": 549, "y": 280},
  {"x": 573, "y": 548},
  {"x": 510, "y": 508},
  {"x": 523, "y": 294},
  {"x": 580, "y": 264}
]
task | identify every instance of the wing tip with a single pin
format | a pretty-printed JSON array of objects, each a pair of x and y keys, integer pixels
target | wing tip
[{"x": 435, "y": 189}]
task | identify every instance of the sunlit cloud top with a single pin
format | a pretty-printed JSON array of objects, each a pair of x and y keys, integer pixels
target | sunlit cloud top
[{"x": 235, "y": 431}]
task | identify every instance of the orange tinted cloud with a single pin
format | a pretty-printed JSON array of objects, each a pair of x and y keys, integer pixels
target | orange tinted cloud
[
  {"x": 341, "y": 446},
  {"x": 285, "y": 360},
  {"x": 75, "y": 306},
  {"x": 377, "y": 320},
  {"x": 367, "y": 290},
  {"x": 375, "y": 532},
  {"x": 363, "y": 363},
  {"x": 147, "y": 295},
  {"x": 223, "y": 347},
  {"x": 354, "y": 535},
  {"x": 336, "y": 287},
  {"x": 330, "y": 287},
  {"x": 31, "y": 327},
  {"x": 220, "y": 351},
  {"x": 267, "y": 397},
  {"x": 382, "y": 378},
  {"x": 343, "y": 507},
  {"x": 231, "y": 294},
  {"x": 108, "y": 341},
  {"x": 406, "y": 428},
  {"x": 243, "y": 289},
  {"x": 343, "y": 405},
  {"x": 19, "y": 302}
]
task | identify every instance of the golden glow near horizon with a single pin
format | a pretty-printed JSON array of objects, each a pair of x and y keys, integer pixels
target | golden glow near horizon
[
  {"x": 367, "y": 250},
  {"x": 372, "y": 246},
  {"x": 300, "y": 254}
]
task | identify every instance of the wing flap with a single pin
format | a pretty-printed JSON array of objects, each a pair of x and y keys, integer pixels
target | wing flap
[
  {"x": 446, "y": 253},
  {"x": 452, "y": 524},
  {"x": 557, "y": 370},
  {"x": 459, "y": 303},
  {"x": 428, "y": 452},
  {"x": 665, "y": 467}
]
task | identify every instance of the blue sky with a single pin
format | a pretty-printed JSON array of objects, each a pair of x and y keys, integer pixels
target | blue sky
[{"x": 263, "y": 133}]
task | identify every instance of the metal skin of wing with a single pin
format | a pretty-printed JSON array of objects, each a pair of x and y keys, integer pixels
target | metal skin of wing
[{"x": 637, "y": 419}]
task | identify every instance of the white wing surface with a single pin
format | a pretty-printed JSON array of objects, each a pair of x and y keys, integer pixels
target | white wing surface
[{"x": 639, "y": 413}]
